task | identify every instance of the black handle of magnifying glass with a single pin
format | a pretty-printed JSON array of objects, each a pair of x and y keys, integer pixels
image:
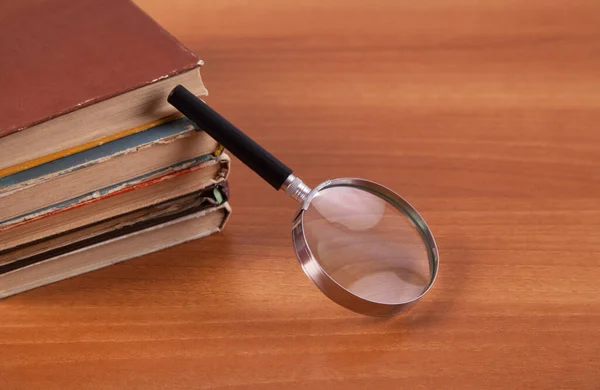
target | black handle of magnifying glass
[{"x": 239, "y": 144}]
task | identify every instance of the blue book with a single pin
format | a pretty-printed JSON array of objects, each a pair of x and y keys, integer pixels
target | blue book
[
  {"x": 95, "y": 172},
  {"x": 97, "y": 154}
]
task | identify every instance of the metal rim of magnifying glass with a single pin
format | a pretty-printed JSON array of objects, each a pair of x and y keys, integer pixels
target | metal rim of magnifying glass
[{"x": 326, "y": 283}]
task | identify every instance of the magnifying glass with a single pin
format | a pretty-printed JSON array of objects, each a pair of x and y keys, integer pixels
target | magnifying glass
[{"x": 364, "y": 246}]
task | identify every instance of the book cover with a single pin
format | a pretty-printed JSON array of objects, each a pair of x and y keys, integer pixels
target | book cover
[
  {"x": 109, "y": 228},
  {"x": 62, "y": 166},
  {"x": 107, "y": 191},
  {"x": 141, "y": 181},
  {"x": 212, "y": 171},
  {"x": 141, "y": 155},
  {"x": 63, "y": 55},
  {"x": 78, "y": 73},
  {"x": 150, "y": 239}
]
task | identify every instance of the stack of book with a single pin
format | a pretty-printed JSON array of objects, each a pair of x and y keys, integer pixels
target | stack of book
[{"x": 95, "y": 166}]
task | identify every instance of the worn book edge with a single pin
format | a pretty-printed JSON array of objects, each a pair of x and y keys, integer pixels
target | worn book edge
[
  {"x": 16, "y": 162},
  {"x": 113, "y": 251},
  {"x": 106, "y": 229},
  {"x": 106, "y": 191},
  {"x": 152, "y": 193},
  {"x": 80, "y": 148},
  {"x": 162, "y": 134}
]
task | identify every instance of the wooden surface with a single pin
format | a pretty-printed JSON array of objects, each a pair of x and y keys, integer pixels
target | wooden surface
[{"x": 485, "y": 115}]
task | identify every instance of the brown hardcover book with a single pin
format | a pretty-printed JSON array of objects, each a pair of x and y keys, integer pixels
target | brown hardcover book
[{"x": 77, "y": 73}]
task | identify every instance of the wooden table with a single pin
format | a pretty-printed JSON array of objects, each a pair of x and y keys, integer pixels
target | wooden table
[{"x": 484, "y": 115}]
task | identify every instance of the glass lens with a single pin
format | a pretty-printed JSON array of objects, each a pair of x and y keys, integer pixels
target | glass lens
[{"x": 367, "y": 245}]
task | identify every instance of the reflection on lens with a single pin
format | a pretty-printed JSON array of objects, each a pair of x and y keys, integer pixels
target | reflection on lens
[{"x": 367, "y": 245}]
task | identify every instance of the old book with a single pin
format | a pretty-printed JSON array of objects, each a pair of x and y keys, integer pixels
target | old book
[
  {"x": 160, "y": 189},
  {"x": 80, "y": 237},
  {"x": 115, "y": 165},
  {"x": 79, "y": 73},
  {"x": 147, "y": 240}
]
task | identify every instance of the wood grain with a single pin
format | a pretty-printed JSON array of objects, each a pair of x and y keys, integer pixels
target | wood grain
[{"x": 484, "y": 115}]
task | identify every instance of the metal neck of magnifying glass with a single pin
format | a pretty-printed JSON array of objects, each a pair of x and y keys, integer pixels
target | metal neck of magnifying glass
[{"x": 295, "y": 188}]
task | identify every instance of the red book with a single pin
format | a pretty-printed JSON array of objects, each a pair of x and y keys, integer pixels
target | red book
[{"x": 78, "y": 73}]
